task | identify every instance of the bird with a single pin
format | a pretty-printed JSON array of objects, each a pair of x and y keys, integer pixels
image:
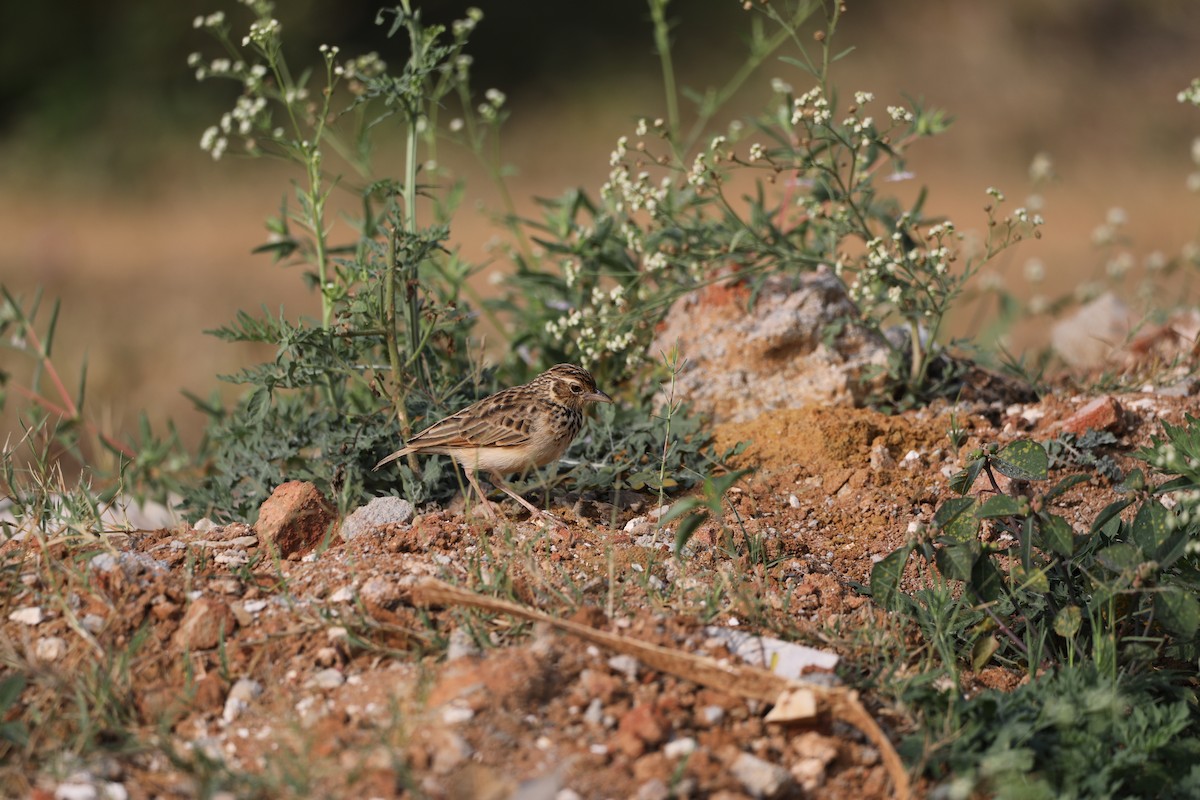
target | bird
[{"x": 512, "y": 430}]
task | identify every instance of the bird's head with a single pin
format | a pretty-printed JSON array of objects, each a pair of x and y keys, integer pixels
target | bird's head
[{"x": 570, "y": 386}]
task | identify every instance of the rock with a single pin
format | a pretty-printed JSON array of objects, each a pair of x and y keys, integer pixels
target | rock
[
  {"x": 380, "y": 511},
  {"x": 1089, "y": 336},
  {"x": 204, "y": 624},
  {"x": 653, "y": 789},
  {"x": 294, "y": 519},
  {"x": 239, "y": 698},
  {"x": 760, "y": 778},
  {"x": 449, "y": 751},
  {"x": 330, "y": 678},
  {"x": 462, "y": 645},
  {"x": 30, "y": 615},
  {"x": 677, "y": 748},
  {"x": 1103, "y": 413},
  {"x": 781, "y": 347},
  {"x": 625, "y": 664},
  {"x": 50, "y": 648}
]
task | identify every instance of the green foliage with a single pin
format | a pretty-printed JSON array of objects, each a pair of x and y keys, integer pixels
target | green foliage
[
  {"x": 393, "y": 330},
  {"x": 1073, "y": 733},
  {"x": 667, "y": 221},
  {"x": 1085, "y": 450},
  {"x": 1104, "y": 611}
]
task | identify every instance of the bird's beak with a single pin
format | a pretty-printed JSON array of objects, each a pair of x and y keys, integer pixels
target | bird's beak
[{"x": 597, "y": 397}]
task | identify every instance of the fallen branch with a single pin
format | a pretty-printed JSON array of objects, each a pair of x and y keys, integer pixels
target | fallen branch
[{"x": 744, "y": 681}]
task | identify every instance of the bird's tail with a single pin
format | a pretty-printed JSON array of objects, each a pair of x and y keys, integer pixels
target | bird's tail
[{"x": 403, "y": 451}]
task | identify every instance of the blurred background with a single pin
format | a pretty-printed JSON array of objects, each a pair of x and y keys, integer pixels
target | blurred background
[{"x": 108, "y": 203}]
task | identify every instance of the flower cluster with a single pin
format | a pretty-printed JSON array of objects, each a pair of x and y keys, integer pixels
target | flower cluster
[{"x": 602, "y": 328}]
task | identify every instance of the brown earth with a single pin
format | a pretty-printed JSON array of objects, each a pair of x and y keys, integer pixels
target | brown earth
[{"x": 361, "y": 697}]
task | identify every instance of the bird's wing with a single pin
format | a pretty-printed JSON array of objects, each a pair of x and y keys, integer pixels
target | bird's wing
[{"x": 474, "y": 427}]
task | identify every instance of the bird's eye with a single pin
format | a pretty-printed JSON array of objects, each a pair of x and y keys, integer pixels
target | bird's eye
[{"x": 576, "y": 388}]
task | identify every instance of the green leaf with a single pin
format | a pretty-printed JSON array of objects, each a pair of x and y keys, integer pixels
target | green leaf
[
  {"x": 1030, "y": 580},
  {"x": 956, "y": 561},
  {"x": 986, "y": 581},
  {"x": 10, "y": 689},
  {"x": 962, "y": 481},
  {"x": 956, "y": 518},
  {"x": 1068, "y": 621},
  {"x": 886, "y": 575},
  {"x": 679, "y": 508},
  {"x": 983, "y": 650},
  {"x": 1178, "y": 610},
  {"x": 1120, "y": 557},
  {"x": 1151, "y": 527},
  {"x": 1023, "y": 460},
  {"x": 258, "y": 404},
  {"x": 686, "y": 528},
  {"x": 1057, "y": 535},
  {"x": 1001, "y": 505},
  {"x": 1110, "y": 513}
]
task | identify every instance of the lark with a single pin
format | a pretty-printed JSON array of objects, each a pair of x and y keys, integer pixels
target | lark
[{"x": 513, "y": 430}]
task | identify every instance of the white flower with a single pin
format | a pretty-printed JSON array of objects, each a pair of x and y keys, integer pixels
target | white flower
[
  {"x": 862, "y": 98},
  {"x": 456, "y": 124},
  {"x": 757, "y": 152},
  {"x": 495, "y": 97}
]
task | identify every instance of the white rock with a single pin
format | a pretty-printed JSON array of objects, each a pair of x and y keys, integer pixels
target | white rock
[
  {"x": 624, "y": 664},
  {"x": 783, "y": 658},
  {"x": 677, "y": 748},
  {"x": 456, "y": 715},
  {"x": 75, "y": 791},
  {"x": 380, "y": 511},
  {"x": 30, "y": 615},
  {"x": 342, "y": 595},
  {"x": 50, "y": 648},
  {"x": 462, "y": 645},
  {"x": 636, "y": 523},
  {"x": 760, "y": 778},
  {"x": 92, "y": 623},
  {"x": 204, "y": 525},
  {"x": 239, "y": 697},
  {"x": 330, "y": 678},
  {"x": 653, "y": 789}
]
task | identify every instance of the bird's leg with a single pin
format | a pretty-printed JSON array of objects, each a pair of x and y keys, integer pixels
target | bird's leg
[
  {"x": 487, "y": 506},
  {"x": 534, "y": 510}
]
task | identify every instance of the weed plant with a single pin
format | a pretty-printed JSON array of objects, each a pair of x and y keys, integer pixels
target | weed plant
[{"x": 1105, "y": 623}]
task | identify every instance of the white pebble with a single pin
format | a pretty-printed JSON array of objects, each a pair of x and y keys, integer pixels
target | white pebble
[{"x": 30, "y": 615}]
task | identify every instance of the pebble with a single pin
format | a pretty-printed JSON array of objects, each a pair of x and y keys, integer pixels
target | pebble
[
  {"x": 677, "y": 748},
  {"x": 330, "y": 678},
  {"x": 30, "y": 615},
  {"x": 462, "y": 645},
  {"x": 653, "y": 789},
  {"x": 239, "y": 697},
  {"x": 342, "y": 595},
  {"x": 50, "y": 648},
  {"x": 760, "y": 778},
  {"x": 626, "y": 665}
]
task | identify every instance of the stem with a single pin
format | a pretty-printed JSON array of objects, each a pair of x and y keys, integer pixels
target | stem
[{"x": 662, "y": 43}]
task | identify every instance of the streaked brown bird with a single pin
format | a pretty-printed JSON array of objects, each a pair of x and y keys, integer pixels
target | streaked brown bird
[{"x": 512, "y": 430}]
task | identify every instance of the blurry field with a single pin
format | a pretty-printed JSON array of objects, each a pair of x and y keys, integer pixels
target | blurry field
[{"x": 144, "y": 264}]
